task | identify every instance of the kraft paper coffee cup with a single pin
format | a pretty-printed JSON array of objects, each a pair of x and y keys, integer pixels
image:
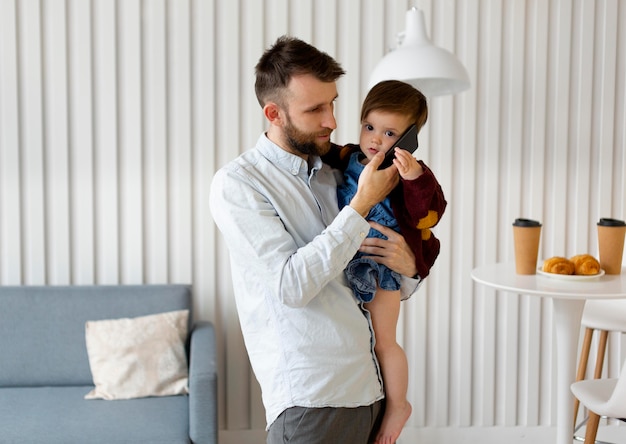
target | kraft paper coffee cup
[
  {"x": 611, "y": 233},
  {"x": 526, "y": 234}
]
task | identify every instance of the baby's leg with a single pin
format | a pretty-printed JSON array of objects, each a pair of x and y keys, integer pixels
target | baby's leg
[{"x": 385, "y": 309}]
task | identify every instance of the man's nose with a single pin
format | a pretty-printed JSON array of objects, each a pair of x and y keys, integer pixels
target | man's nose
[{"x": 330, "y": 121}]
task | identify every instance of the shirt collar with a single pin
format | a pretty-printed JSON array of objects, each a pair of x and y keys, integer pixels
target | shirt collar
[{"x": 285, "y": 160}]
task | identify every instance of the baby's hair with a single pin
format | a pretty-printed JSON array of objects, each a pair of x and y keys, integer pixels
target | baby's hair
[{"x": 396, "y": 97}]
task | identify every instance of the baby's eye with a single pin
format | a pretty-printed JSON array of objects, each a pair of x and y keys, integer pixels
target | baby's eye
[
  {"x": 369, "y": 127},
  {"x": 390, "y": 134}
]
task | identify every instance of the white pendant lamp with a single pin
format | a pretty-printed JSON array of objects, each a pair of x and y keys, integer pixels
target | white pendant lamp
[{"x": 433, "y": 70}]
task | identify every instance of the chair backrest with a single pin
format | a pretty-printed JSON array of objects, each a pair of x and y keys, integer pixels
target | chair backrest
[{"x": 605, "y": 314}]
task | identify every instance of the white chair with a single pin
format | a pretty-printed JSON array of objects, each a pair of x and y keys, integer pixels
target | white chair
[
  {"x": 602, "y": 397},
  {"x": 605, "y": 316}
]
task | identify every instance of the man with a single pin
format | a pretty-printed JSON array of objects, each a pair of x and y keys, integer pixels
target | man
[{"x": 309, "y": 341}]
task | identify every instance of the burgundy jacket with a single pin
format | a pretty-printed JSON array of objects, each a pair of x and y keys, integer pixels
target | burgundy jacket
[{"x": 417, "y": 205}]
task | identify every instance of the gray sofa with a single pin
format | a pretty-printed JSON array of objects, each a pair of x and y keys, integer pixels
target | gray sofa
[{"x": 45, "y": 372}]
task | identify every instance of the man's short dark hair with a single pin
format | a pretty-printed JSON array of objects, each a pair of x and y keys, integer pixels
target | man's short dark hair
[{"x": 289, "y": 57}]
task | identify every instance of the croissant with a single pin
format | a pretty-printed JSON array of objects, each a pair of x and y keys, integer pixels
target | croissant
[
  {"x": 558, "y": 265},
  {"x": 585, "y": 264}
]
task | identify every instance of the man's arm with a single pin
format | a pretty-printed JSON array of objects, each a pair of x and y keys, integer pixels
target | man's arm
[{"x": 281, "y": 242}]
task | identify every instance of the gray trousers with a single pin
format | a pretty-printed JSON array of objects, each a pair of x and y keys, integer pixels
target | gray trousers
[{"x": 327, "y": 425}]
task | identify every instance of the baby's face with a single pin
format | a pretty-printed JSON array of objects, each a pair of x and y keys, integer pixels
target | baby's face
[{"x": 380, "y": 130}]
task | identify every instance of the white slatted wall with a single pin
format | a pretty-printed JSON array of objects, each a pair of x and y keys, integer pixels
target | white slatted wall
[{"x": 115, "y": 114}]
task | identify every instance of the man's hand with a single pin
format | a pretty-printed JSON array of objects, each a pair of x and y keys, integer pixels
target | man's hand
[
  {"x": 374, "y": 185},
  {"x": 394, "y": 252}
]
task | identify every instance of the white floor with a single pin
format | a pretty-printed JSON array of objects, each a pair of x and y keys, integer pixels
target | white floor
[
  {"x": 510, "y": 435},
  {"x": 466, "y": 435},
  {"x": 606, "y": 433}
]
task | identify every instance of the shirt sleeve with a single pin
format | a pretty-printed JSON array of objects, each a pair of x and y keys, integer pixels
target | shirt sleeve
[{"x": 267, "y": 241}]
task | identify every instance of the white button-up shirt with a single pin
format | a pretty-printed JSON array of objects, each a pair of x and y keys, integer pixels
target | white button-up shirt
[{"x": 309, "y": 342}]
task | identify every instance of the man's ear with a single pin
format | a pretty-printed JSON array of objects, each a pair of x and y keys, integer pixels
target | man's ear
[{"x": 272, "y": 113}]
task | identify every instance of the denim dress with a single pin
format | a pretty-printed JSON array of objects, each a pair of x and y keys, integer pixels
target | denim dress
[{"x": 364, "y": 274}]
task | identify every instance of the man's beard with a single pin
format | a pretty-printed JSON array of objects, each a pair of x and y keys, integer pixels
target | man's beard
[{"x": 304, "y": 143}]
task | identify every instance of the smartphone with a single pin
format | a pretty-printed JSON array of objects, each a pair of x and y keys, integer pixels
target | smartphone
[{"x": 407, "y": 141}]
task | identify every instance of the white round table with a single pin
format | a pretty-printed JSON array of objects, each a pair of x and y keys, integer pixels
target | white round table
[{"x": 569, "y": 300}]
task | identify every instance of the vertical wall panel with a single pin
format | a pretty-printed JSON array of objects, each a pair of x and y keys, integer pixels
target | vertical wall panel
[
  {"x": 56, "y": 139},
  {"x": 509, "y": 366},
  {"x": 203, "y": 130},
  {"x": 81, "y": 142},
  {"x": 155, "y": 137},
  {"x": 560, "y": 77},
  {"x": 105, "y": 136},
  {"x": 179, "y": 141},
  {"x": 31, "y": 140},
  {"x": 10, "y": 193},
  {"x": 532, "y": 339},
  {"x": 114, "y": 115},
  {"x": 489, "y": 176},
  {"x": 605, "y": 53},
  {"x": 347, "y": 109},
  {"x": 617, "y": 205},
  {"x": 130, "y": 141},
  {"x": 579, "y": 138},
  {"x": 461, "y": 207}
]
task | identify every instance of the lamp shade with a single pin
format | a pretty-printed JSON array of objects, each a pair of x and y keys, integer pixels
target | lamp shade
[{"x": 433, "y": 70}]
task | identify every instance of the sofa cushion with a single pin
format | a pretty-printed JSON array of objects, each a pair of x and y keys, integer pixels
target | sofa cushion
[
  {"x": 51, "y": 415},
  {"x": 42, "y": 329},
  {"x": 138, "y": 357}
]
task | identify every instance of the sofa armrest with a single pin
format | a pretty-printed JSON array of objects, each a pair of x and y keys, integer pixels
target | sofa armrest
[{"x": 203, "y": 384}]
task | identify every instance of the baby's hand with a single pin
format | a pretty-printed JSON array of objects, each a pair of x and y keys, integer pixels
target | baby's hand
[{"x": 407, "y": 165}]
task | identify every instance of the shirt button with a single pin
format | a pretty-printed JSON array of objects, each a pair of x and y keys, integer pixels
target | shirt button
[{"x": 362, "y": 234}]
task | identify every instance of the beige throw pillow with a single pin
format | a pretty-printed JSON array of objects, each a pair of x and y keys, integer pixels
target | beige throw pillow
[{"x": 138, "y": 357}]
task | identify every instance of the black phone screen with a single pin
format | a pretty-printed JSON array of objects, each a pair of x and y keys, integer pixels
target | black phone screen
[{"x": 407, "y": 141}]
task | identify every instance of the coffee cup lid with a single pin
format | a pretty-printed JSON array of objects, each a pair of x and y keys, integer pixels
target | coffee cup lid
[
  {"x": 608, "y": 222},
  {"x": 526, "y": 223}
]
